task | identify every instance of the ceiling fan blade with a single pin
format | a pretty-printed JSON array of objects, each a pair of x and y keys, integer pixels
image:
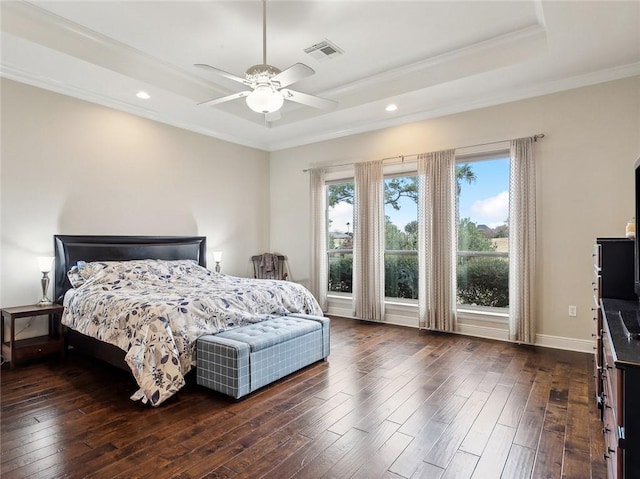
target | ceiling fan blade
[
  {"x": 216, "y": 101},
  {"x": 292, "y": 74},
  {"x": 222, "y": 73},
  {"x": 309, "y": 100}
]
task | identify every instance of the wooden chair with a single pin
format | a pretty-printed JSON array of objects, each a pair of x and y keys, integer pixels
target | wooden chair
[{"x": 269, "y": 266}]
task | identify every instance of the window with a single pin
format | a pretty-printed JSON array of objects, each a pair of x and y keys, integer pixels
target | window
[
  {"x": 482, "y": 208},
  {"x": 340, "y": 236},
  {"x": 482, "y": 211},
  {"x": 401, "y": 237}
]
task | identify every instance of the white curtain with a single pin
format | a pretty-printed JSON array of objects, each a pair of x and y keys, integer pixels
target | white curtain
[
  {"x": 436, "y": 240},
  {"x": 368, "y": 245},
  {"x": 522, "y": 242},
  {"x": 319, "y": 266}
]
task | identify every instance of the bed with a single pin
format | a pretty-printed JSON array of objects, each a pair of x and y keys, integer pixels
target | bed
[{"x": 141, "y": 302}]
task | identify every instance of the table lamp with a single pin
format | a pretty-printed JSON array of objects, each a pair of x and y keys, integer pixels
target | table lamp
[
  {"x": 217, "y": 257},
  {"x": 44, "y": 263}
]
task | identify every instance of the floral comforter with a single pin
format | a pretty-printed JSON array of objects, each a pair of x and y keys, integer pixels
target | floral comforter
[{"x": 156, "y": 310}]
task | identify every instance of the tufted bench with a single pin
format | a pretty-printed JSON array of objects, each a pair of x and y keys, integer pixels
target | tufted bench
[{"x": 241, "y": 360}]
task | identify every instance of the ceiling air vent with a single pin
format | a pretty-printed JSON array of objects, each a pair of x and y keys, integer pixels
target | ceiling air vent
[{"x": 324, "y": 50}]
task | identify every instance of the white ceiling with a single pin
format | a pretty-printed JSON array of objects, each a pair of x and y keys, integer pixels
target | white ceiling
[{"x": 430, "y": 58}]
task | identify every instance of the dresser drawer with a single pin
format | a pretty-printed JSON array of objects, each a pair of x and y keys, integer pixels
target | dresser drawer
[
  {"x": 611, "y": 376},
  {"x": 613, "y": 410},
  {"x": 597, "y": 255},
  {"x": 598, "y": 356},
  {"x": 612, "y": 454}
]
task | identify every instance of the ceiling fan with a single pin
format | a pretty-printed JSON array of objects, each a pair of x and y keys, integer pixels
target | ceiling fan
[{"x": 268, "y": 83}]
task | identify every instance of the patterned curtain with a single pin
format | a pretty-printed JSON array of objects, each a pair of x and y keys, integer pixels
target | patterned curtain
[
  {"x": 368, "y": 261},
  {"x": 319, "y": 266},
  {"x": 522, "y": 242},
  {"x": 436, "y": 241}
]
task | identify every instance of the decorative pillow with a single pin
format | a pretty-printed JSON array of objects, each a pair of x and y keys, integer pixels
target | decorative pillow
[
  {"x": 131, "y": 270},
  {"x": 82, "y": 271},
  {"x": 148, "y": 269},
  {"x": 75, "y": 278}
]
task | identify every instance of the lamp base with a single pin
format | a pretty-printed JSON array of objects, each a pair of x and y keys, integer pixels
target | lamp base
[{"x": 45, "y": 287}]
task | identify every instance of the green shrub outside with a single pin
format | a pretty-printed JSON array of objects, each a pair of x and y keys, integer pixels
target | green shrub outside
[
  {"x": 341, "y": 274},
  {"x": 482, "y": 281},
  {"x": 401, "y": 276}
]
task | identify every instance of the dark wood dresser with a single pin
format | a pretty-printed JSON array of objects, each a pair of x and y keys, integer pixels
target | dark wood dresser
[{"x": 617, "y": 355}]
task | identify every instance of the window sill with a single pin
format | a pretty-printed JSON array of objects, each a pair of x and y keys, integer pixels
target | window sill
[
  {"x": 340, "y": 304},
  {"x": 338, "y": 295},
  {"x": 495, "y": 314}
]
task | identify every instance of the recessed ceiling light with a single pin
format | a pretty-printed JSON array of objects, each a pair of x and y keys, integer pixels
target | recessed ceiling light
[
  {"x": 391, "y": 107},
  {"x": 143, "y": 95}
]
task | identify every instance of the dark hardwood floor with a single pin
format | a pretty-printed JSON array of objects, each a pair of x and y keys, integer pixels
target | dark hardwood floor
[{"x": 390, "y": 402}]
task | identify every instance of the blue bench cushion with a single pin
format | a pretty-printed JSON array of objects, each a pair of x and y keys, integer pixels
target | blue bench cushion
[{"x": 269, "y": 333}]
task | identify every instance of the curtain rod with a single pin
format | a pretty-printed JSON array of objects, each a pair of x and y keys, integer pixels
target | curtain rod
[{"x": 535, "y": 137}]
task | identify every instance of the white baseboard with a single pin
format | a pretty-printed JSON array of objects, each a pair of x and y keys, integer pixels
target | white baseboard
[
  {"x": 542, "y": 340},
  {"x": 482, "y": 332},
  {"x": 560, "y": 342},
  {"x": 399, "y": 320},
  {"x": 342, "y": 308},
  {"x": 342, "y": 312}
]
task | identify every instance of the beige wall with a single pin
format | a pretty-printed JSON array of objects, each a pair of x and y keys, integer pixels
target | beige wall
[
  {"x": 585, "y": 182},
  {"x": 72, "y": 167}
]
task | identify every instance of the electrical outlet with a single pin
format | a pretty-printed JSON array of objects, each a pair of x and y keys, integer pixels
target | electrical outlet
[{"x": 572, "y": 311}]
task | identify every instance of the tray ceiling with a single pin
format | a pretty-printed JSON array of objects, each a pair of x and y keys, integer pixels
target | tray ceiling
[{"x": 429, "y": 58}]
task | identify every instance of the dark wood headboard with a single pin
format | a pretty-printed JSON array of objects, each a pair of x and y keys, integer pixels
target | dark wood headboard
[{"x": 69, "y": 249}]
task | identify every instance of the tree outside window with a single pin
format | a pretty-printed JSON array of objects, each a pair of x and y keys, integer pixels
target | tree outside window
[
  {"x": 401, "y": 237},
  {"x": 340, "y": 236},
  {"x": 482, "y": 206}
]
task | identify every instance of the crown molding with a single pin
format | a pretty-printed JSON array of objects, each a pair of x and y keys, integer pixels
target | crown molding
[
  {"x": 16, "y": 74},
  {"x": 506, "y": 96},
  {"x": 515, "y": 94}
]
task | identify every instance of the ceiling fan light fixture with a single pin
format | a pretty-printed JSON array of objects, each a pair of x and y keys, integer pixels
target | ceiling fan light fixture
[
  {"x": 268, "y": 83},
  {"x": 264, "y": 99}
]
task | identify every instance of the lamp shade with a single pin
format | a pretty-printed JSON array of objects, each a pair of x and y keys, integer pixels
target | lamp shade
[
  {"x": 45, "y": 263},
  {"x": 265, "y": 99},
  {"x": 217, "y": 256}
]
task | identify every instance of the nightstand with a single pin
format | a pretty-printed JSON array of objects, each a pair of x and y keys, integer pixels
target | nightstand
[{"x": 23, "y": 349}]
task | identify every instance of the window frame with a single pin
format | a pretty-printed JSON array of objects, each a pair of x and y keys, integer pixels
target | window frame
[
  {"x": 335, "y": 180},
  {"x": 408, "y": 308},
  {"x": 391, "y": 300},
  {"x": 474, "y": 155}
]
